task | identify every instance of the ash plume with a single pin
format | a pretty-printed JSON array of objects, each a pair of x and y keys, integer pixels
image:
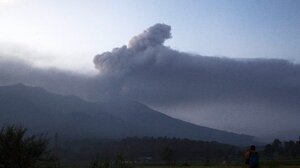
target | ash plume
[
  {"x": 213, "y": 88},
  {"x": 241, "y": 95}
]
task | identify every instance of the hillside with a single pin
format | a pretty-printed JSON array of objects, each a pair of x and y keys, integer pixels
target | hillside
[{"x": 71, "y": 117}]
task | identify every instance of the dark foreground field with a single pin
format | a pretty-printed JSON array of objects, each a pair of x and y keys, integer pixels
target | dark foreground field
[
  {"x": 238, "y": 166},
  {"x": 264, "y": 164},
  {"x": 220, "y": 166}
]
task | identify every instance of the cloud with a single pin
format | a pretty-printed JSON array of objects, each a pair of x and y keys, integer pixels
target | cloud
[
  {"x": 153, "y": 36},
  {"x": 149, "y": 71},
  {"x": 185, "y": 84},
  {"x": 242, "y": 95},
  {"x": 15, "y": 70}
]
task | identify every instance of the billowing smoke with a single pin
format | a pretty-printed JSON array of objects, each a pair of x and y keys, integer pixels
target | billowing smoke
[
  {"x": 211, "y": 88},
  {"x": 242, "y": 95},
  {"x": 141, "y": 50},
  {"x": 153, "y": 36},
  {"x": 149, "y": 71}
]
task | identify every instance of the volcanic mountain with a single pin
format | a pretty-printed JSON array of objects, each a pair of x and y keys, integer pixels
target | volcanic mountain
[{"x": 72, "y": 117}]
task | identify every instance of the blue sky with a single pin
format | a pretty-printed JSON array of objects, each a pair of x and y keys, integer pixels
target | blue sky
[{"x": 69, "y": 33}]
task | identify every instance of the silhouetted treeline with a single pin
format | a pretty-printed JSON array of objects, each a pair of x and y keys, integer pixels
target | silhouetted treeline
[
  {"x": 20, "y": 150},
  {"x": 286, "y": 148},
  {"x": 146, "y": 149}
]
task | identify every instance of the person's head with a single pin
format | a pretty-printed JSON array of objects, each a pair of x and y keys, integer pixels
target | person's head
[{"x": 252, "y": 147}]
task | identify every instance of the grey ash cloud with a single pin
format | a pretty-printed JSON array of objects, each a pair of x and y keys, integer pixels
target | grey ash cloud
[
  {"x": 243, "y": 95},
  {"x": 255, "y": 92},
  {"x": 139, "y": 51},
  {"x": 149, "y": 71},
  {"x": 16, "y": 70}
]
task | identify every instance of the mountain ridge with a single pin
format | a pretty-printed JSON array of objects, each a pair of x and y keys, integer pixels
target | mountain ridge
[{"x": 73, "y": 117}]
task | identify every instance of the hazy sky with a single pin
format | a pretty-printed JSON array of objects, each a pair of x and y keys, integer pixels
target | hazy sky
[
  {"x": 69, "y": 33},
  {"x": 185, "y": 67}
]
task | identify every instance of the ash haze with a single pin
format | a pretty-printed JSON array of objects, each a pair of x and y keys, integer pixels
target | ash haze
[{"x": 252, "y": 87}]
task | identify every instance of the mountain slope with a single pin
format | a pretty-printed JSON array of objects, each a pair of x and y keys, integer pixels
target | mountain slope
[{"x": 72, "y": 117}]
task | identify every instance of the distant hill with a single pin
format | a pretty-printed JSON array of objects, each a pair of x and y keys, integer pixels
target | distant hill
[{"x": 72, "y": 117}]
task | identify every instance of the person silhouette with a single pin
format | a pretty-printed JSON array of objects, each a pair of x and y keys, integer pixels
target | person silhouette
[{"x": 251, "y": 157}]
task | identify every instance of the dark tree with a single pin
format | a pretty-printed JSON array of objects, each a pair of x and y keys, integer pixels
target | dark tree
[
  {"x": 100, "y": 164},
  {"x": 167, "y": 155},
  {"x": 20, "y": 151},
  {"x": 290, "y": 149},
  {"x": 286, "y": 148},
  {"x": 269, "y": 150},
  {"x": 277, "y": 146},
  {"x": 121, "y": 163}
]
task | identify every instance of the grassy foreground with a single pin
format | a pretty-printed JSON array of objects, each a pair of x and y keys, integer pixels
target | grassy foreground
[
  {"x": 240, "y": 166},
  {"x": 280, "y": 163},
  {"x": 263, "y": 166},
  {"x": 277, "y": 163}
]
